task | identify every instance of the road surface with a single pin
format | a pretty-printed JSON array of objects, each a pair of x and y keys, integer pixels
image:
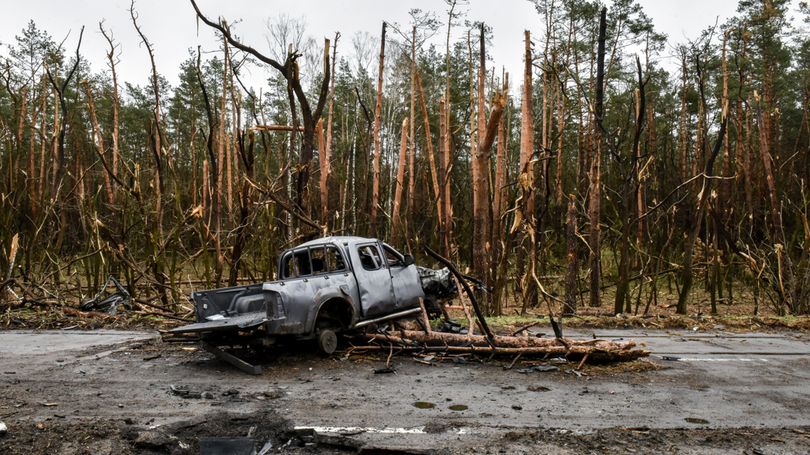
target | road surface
[{"x": 704, "y": 383}]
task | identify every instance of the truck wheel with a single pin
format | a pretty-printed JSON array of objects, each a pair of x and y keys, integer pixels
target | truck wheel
[{"x": 327, "y": 341}]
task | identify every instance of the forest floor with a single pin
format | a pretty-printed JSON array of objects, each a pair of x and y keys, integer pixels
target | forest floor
[{"x": 743, "y": 314}]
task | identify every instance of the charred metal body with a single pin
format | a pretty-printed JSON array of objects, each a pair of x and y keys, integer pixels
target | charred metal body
[{"x": 324, "y": 287}]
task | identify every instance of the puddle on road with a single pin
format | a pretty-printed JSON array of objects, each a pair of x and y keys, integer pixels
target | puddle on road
[
  {"x": 694, "y": 420},
  {"x": 424, "y": 405},
  {"x": 458, "y": 407}
]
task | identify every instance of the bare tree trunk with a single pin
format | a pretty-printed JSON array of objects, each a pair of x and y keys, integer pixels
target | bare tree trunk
[
  {"x": 480, "y": 187},
  {"x": 558, "y": 190},
  {"x": 156, "y": 137},
  {"x": 99, "y": 139},
  {"x": 57, "y": 126},
  {"x": 221, "y": 136},
  {"x": 229, "y": 154},
  {"x": 327, "y": 150},
  {"x": 210, "y": 184},
  {"x": 444, "y": 213},
  {"x": 403, "y": 150},
  {"x": 683, "y": 135},
  {"x": 546, "y": 126},
  {"x": 527, "y": 173},
  {"x": 41, "y": 186},
  {"x": 562, "y": 102},
  {"x": 411, "y": 150},
  {"x": 498, "y": 236},
  {"x": 323, "y": 171},
  {"x": 571, "y": 270},
  {"x": 706, "y": 189},
  {"x": 582, "y": 144},
  {"x": 626, "y": 209},
  {"x": 785, "y": 275},
  {"x": 725, "y": 186},
  {"x": 375, "y": 189},
  {"x": 596, "y": 168},
  {"x": 59, "y": 158},
  {"x": 23, "y": 114},
  {"x": 433, "y": 173},
  {"x": 115, "y": 106},
  {"x": 447, "y": 207},
  {"x": 480, "y": 163},
  {"x": 31, "y": 181},
  {"x": 475, "y": 116}
]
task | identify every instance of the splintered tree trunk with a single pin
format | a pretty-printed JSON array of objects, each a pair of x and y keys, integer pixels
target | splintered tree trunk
[
  {"x": 221, "y": 144},
  {"x": 324, "y": 171},
  {"x": 448, "y": 203},
  {"x": 480, "y": 163},
  {"x": 725, "y": 185},
  {"x": 571, "y": 270},
  {"x": 375, "y": 189},
  {"x": 429, "y": 141},
  {"x": 527, "y": 172},
  {"x": 498, "y": 202},
  {"x": 327, "y": 149},
  {"x": 785, "y": 273},
  {"x": 444, "y": 215},
  {"x": 543, "y": 183},
  {"x": 229, "y": 159},
  {"x": 596, "y": 170},
  {"x": 562, "y": 102},
  {"x": 682, "y": 136},
  {"x": 447, "y": 207},
  {"x": 98, "y": 139},
  {"x": 480, "y": 186},
  {"x": 115, "y": 104},
  {"x": 403, "y": 150},
  {"x": 411, "y": 151}
]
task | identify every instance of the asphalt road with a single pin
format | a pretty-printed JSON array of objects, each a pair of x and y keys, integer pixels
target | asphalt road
[{"x": 709, "y": 380}]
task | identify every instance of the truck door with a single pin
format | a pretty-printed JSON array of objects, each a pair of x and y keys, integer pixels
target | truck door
[
  {"x": 373, "y": 280},
  {"x": 404, "y": 278}
]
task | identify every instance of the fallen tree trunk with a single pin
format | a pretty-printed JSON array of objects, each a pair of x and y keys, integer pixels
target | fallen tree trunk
[{"x": 597, "y": 350}]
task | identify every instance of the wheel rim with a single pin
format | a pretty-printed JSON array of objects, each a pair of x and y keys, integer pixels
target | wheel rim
[{"x": 327, "y": 341}]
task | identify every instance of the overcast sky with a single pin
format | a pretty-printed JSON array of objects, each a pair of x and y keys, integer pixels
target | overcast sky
[{"x": 172, "y": 28}]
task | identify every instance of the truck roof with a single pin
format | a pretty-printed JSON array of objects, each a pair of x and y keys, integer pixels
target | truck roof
[{"x": 336, "y": 239}]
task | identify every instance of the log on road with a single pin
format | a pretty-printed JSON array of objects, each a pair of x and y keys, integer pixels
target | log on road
[{"x": 597, "y": 350}]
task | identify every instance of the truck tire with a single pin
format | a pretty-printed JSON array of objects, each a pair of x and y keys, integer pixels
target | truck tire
[{"x": 327, "y": 341}]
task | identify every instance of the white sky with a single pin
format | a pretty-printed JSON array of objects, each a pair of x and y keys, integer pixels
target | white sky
[{"x": 172, "y": 28}]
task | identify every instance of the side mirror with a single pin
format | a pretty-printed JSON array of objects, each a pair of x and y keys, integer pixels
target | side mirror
[{"x": 409, "y": 260}]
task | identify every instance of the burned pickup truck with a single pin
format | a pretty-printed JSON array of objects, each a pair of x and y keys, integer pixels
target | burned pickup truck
[{"x": 324, "y": 287}]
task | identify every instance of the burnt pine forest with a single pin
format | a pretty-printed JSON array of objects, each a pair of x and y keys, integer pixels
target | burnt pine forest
[{"x": 597, "y": 177}]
